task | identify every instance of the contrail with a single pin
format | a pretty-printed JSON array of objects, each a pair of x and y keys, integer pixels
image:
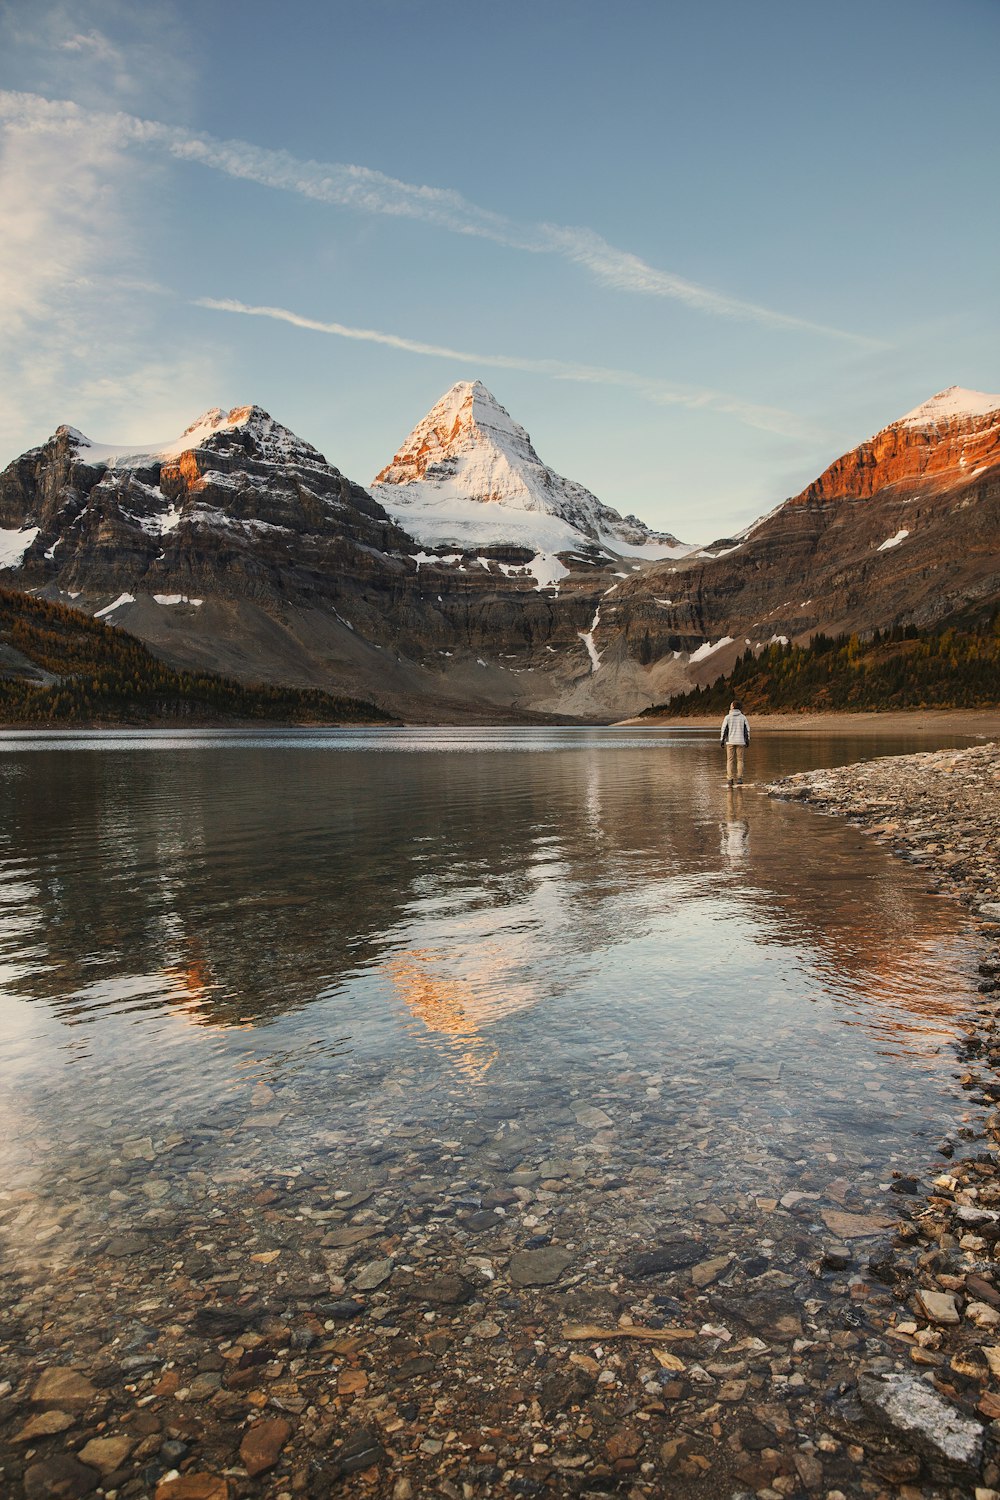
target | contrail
[
  {"x": 766, "y": 418},
  {"x": 369, "y": 191}
]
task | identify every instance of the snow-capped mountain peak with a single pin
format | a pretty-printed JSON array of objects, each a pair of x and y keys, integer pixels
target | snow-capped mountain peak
[
  {"x": 469, "y": 475},
  {"x": 468, "y": 419},
  {"x": 268, "y": 439},
  {"x": 954, "y": 404}
]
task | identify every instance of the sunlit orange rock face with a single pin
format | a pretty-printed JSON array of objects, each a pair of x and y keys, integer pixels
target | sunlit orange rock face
[
  {"x": 904, "y": 528},
  {"x": 928, "y": 459},
  {"x": 435, "y": 442},
  {"x": 182, "y": 476}
]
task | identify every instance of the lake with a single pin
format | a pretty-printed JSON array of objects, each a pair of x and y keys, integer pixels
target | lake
[
  {"x": 282, "y": 1006},
  {"x": 181, "y": 915}
]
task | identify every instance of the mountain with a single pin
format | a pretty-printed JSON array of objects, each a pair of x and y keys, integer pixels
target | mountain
[
  {"x": 239, "y": 548},
  {"x": 230, "y": 481},
  {"x": 475, "y": 583},
  {"x": 903, "y": 529},
  {"x": 468, "y": 476},
  {"x": 951, "y": 438}
]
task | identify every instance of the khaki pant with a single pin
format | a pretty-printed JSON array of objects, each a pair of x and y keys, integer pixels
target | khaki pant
[{"x": 734, "y": 762}]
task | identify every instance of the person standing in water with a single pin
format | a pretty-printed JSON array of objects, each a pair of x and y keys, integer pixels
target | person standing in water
[{"x": 736, "y": 738}]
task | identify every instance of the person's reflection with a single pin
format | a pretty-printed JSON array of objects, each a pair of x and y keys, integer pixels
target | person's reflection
[{"x": 736, "y": 829}]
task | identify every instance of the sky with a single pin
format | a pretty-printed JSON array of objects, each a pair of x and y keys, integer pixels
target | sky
[{"x": 697, "y": 251}]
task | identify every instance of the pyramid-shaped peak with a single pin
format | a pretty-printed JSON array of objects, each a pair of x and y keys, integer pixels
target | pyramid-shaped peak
[
  {"x": 465, "y": 418},
  {"x": 467, "y": 390},
  {"x": 468, "y": 475},
  {"x": 469, "y": 402}
]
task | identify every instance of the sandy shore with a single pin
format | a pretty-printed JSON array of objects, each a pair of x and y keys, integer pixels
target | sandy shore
[{"x": 964, "y": 721}]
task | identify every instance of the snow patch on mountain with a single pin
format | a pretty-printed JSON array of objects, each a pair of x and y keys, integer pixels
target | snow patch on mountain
[
  {"x": 953, "y": 404},
  {"x": 587, "y": 637},
  {"x": 14, "y": 544},
  {"x": 109, "y": 609},
  {"x": 709, "y": 648},
  {"x": 468, "y": 475},
  {"x": 271, "y": 441}
]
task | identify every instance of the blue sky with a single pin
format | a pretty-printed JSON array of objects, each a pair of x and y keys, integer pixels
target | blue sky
[{"x": 697, "y": 251}]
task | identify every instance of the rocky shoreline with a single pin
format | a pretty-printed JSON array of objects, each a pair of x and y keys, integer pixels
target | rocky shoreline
[
  {"x": 940, "y": 811},
  {"x": 547, "y": 1295}
]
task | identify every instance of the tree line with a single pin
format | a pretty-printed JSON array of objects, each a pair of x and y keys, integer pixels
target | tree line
[
  {"x": 954, "y": 666},
  {"x": 104, "y": 675}
]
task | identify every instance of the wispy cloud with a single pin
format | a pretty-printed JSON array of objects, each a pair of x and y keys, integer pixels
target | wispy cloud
[
  {"x": 94, "y": 44},
  {"x": 765, "y": 418},
  {"x": 372, "y": 192},
  {"x": 74, "y": 322},
  {"x": 620, "y": 269},
  {"x": 100, "y": 52}
]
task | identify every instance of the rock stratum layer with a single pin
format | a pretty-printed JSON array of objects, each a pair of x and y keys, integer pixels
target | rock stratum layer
[{"x": 476, "y": 581}]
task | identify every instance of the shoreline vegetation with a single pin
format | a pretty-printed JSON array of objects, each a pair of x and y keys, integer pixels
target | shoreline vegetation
[
  {"x": 956, "y": 666},
  {"x": 62, "y": 669}
]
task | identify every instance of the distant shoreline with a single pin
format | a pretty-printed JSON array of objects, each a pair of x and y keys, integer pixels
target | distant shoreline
[{"x": 984, "y": 721}]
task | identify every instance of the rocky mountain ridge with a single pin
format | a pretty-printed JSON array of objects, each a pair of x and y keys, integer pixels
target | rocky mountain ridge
[
  {"x": 904, "y": 528},
  {"x": 953, "y": 437},
  {"x": 239, "y": 548}
]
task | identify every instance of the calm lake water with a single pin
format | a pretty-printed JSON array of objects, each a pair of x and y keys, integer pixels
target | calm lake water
[{"x": 398, "y": 929}]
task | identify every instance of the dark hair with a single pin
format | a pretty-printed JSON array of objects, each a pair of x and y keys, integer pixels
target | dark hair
[{"x": 737, "y": 705}]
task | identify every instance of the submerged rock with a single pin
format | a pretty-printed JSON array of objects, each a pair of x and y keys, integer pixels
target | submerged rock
[
  {"x": 262, "y": 1444},
  {"x": 60, "y": 1478},
  {"x": 539, "y": 1267},
  {"x": 675, "y": 1255},
  {"x": 933, "y": 1427},
  {"x": 63, "y": 1388}
]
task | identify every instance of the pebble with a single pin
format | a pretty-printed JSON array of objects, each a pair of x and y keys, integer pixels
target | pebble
[
  {"x": 61, "y": 1477},
  {"x": 939, "y": 1307},
  {"x": 262, "y": 1444},
  {"x": 539, "y": 1267},
  {"x": 63, "y": 1388},
  {"x": 442, "y": 1291},
  {"x": 44, "y": 1424},
  {"x": 106, "y": 1454},
  {"x": 930, "y": 1423},
  {"x": 373, "y": 1275},
  {"x": 192, "y": 1487},
  {"x": 593, "y": 1118}
]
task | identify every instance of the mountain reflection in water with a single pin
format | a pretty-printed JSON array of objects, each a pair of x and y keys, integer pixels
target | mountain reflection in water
[{"x": 295, "y": 900}]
